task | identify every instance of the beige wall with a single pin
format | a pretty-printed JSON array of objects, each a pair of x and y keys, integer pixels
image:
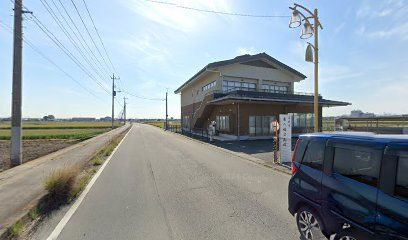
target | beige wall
[
  {"x": 236, "y": 72},
  {"x": 194, "y": 93}
]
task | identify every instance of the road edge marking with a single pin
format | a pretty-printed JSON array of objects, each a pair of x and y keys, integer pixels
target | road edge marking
[{"x": 60, "y": 226}]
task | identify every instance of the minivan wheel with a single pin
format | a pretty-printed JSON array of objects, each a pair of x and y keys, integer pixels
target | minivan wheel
[
  {"x": 309, "y": 224},
  {"x": 345, "y": 235}
]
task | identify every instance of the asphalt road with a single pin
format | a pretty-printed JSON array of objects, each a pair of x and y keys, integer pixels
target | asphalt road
[{"x": 159, "y": 185}]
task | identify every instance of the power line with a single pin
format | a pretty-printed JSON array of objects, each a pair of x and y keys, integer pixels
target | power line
[
  {"x": 217, "y": 12},
  {"x": 34, "y": 48},
  {"x": 99, "y": 36},
  {"x": 89, "y": 34},
  {"x": 65, "y": 31},
  {"x": 100, "y": 65},
  {"x": 50, "y": 35},
  {"x": 145, "y": 98},
  {"x": 88, "y": 48}
]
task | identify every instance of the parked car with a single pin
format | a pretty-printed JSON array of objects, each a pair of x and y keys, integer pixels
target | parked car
[{"x": 352, "y": 185}]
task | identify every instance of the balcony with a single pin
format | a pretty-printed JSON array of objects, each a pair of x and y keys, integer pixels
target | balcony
[{"x": 238, "y": 94}]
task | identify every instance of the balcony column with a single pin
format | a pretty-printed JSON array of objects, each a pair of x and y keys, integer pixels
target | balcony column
[
  {"x": 259, "y": 85},
  {"x": 219, "y": 83}
]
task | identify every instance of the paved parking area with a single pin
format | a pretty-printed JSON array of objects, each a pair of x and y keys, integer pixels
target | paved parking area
[{"x": 262, "y": 149}]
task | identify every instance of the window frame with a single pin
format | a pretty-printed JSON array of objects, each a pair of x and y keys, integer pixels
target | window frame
[
  {"x": 222, "y": 123},
  {"x": 209, "y": 86},
  {"x": 232, "y": 85},
  {"x": 399, "y": 156}
]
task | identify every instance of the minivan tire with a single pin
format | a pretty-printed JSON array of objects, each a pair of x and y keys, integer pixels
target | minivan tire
[
  {"x": 346, "y": 234},
  {"x": 309, "y": 224}
]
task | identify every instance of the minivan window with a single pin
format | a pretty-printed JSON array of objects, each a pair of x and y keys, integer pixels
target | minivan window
[
  {"x": 362, "y": 165},
  {"x": 401, "y": 186},
  {"x": 314, "y": 155},
  {"x": 300, "y": 150}
]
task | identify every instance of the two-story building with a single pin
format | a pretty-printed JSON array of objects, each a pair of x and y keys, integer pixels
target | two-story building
[{"x": 244, "y": 95}]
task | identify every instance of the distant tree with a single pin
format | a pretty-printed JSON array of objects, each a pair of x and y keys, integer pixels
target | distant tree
[{"x": 49, "y": 118}]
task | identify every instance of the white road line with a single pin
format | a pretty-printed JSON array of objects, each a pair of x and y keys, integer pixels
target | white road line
[{"x": 58, "y": 229}]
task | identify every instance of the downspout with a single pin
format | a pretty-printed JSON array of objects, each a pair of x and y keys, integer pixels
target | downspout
[{"x": 238, "y": 118}]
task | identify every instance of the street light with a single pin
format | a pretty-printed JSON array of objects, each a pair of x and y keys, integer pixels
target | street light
[
  {"x": 307, "y": 31},
  {"x": 312, "y": 51},
  {"x": 295, "y": 20}
]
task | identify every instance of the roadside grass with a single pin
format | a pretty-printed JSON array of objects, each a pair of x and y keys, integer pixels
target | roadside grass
[
  {"x": 97, "y": 161},
  {"x": 16, "y": 229},
  {"x": 33, "y": 213},
  {"x": 160, "y": 124},
  {"x": 80, "y": 185},
  {"x": 60, "y": 186}
]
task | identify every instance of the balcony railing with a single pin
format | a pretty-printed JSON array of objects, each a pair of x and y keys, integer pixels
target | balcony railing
[{"x": 263, "y": 94}]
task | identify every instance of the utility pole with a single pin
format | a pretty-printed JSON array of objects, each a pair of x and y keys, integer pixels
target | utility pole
[
  {"x": 124, "y": 110},
  {"x": 166, "y": 127},
  {"x": 316, "y": 75},
  {"x": 113, "y": 99},
  {"x": 16, "y": 107}
]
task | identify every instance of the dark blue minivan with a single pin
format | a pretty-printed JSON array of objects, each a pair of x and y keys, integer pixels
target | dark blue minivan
[{"x": 350, "y": 185}]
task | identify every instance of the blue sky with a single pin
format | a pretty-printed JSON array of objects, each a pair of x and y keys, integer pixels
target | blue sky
[{"x": 363, "y": 53}]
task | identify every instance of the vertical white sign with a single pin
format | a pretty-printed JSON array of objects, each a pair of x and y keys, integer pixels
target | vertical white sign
[{"x": 285, "y": 138}]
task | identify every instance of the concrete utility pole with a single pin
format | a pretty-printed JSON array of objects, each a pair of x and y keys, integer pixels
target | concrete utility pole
[
  {"x": 167, "y": 115},
  {"x": 16, "y": 130},
  {"x": 124, "y": 110},
  {"x": 113, "y": 99}
]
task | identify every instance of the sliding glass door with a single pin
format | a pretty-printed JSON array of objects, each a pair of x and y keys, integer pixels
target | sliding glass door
[{"x": 261, "y": 125}]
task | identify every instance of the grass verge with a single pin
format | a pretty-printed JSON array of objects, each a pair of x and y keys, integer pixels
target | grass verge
[{"x": 63, "y": 186}]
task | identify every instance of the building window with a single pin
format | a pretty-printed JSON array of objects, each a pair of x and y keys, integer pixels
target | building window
[
  {"x": 275, "y": 89},
  {"x": 222, "y": 123},
  {"x": 228, "y": 86},
  {"x": 362, "y": 164},
  {"x": 261, "y": 125},
  {"x": 186, "y": 122},
  {"x": 209, "y": 86},
  {"x": 302, "y": 120},
  {"x": 401, "y": 185}
]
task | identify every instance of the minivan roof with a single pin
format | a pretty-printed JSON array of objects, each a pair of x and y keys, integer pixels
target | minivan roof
[{"x": 381, "y": 138}]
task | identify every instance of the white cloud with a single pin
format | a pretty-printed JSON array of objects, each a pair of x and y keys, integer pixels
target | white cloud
[
  {"x": 400, "y": 31},
  {"x": 180, "y": 19},
  {"x": 146, "y": 46},
  {"x": 243, "y": 51},
  {"x": 371, "y": 9}
]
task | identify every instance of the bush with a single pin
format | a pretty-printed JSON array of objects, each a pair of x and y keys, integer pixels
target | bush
[{"x": 60, "y": 185}]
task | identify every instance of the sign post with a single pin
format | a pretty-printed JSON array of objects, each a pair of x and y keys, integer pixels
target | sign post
[
  {"x": 275, "y": 127},
  {"x": 285, "y": 138}
]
